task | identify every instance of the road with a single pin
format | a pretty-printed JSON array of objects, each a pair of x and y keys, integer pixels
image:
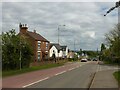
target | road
[
  {"x": 70, "y": 75},
  {"x": 76, "y": 78}
]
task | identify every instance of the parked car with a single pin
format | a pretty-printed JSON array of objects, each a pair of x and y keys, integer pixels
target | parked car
[
  {"x": 94, "y": 59},
  {"x": 83, "y": 60}
]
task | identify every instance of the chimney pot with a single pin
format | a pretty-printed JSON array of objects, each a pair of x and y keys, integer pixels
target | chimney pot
[{"x": 23, "y": 28}]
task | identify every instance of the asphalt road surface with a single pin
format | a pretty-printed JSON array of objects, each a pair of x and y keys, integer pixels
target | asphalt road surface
[{"x": 76, "y": 78}]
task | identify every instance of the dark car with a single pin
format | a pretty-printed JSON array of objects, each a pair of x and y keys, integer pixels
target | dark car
[{"x": 94, "y": 59}]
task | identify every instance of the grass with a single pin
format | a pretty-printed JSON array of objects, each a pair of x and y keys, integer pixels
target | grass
[
  {"x": 34, "y": 68},
  {"x": 117, "y": 76},
  {"x": 110, "y": 63}
]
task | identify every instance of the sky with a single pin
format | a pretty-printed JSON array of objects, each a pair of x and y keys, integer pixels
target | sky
[{"x": 85, "y": 26}]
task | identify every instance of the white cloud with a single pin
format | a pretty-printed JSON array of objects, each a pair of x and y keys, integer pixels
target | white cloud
[
  {"x": 60, "y": 0},
  {"x": 89, "y": 34},
  {"x": 85, "y": 22}
]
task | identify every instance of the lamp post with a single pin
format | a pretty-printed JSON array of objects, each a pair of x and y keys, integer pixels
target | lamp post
[
  {"x": 117, "y": 4},
  {"x": 58, "y": 31},
  {"x": 58, "y": 37}
]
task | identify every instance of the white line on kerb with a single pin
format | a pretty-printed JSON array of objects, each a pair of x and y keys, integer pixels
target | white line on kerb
[
  {"x": 60, "y": 72},
  {"x": 35, "y": 82}
]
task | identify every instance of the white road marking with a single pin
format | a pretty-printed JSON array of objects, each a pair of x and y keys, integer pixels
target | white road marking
[
  {"x": 60, "y": 72},
  {"x": 35, "y": 82},
  {"x": 71, "y": 69}
]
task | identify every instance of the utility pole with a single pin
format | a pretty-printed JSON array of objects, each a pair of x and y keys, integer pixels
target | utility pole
[
  {"x": 74, "y": 45},
  {"x": 20, "y": 53},
  {"x": 20, "y": 25}
]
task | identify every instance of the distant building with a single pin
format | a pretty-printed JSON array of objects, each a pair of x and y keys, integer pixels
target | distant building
[
  {"x": 71, "y": 54},
  {"x": 55, "y": 48},
  {"x": 39, "y": 44},
  {"x": 65, "y": 51}
]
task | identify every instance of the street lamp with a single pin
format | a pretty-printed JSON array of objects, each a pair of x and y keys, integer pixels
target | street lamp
[
  {"x": 58, "y": 36},
  {"x": 59, "y": 29},
  {"x": 117, "y": 4}
]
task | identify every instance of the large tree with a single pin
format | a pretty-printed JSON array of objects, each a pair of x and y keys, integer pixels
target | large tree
[
  {"x": 16, "y": 51},
  {"x": 113, "y": 40}
]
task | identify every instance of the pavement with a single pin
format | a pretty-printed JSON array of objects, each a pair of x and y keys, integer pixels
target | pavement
[{"x": 104, "y": 78}]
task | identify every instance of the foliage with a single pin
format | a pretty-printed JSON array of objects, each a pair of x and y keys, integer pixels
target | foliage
[
  {"x": 113, "y": 39},
  {"x": 102, "y": 47},
  {"x": 75, "y": 57},
  {"x": 12, "y": 45},
  {"x": 117, "y": 76},
  {"x": 91, "y": 53},
  {"x": 113, "y": 42}
]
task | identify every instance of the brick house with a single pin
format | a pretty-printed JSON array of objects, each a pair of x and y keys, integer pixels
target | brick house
[{"x": 40, "y": 45}]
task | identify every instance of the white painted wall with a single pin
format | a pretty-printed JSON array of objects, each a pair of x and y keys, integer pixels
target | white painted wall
[
  {"x": 66, "y": 51},
  {"x": 53, "y": 48},
  {"x": 61, "y": 53}
]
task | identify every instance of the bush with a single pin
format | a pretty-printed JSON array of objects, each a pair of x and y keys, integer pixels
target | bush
[{"x": 15, "y": 49}]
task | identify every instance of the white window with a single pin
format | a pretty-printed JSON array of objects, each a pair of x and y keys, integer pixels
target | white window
[
  {"x": 46, "y": 45},
  {"x": 39, "y": 45},
  {"x": 38, "y": 56}
]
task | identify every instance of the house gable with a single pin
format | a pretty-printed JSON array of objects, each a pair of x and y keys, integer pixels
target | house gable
[{"x": 53, "y": 48}]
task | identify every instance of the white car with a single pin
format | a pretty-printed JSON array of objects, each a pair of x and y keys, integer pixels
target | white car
[{"x": 83, "y": 60}]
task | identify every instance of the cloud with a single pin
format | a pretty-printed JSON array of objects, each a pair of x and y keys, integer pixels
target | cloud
[
  {"x": 59, "y": 1},
  {"x": 85, "y": 23},
  {"x": 89, "y": 34}
]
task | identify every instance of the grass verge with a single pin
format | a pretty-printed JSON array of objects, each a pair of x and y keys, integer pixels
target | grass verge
[
  {"x": 34, "y": 68},
  {"x": 110, "y": 63},
  {"x": 117, "y": 76}
]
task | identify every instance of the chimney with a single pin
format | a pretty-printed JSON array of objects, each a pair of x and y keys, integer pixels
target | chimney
[
  {"x": 23, "y": 28},
  {"x": 34, "y": 31}
]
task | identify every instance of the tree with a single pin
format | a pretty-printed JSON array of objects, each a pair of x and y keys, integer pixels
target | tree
[
  {"x": 103, "y": 47},
  {"x": 12, "y": 44},
  {"x": 113, "y": 41}
]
